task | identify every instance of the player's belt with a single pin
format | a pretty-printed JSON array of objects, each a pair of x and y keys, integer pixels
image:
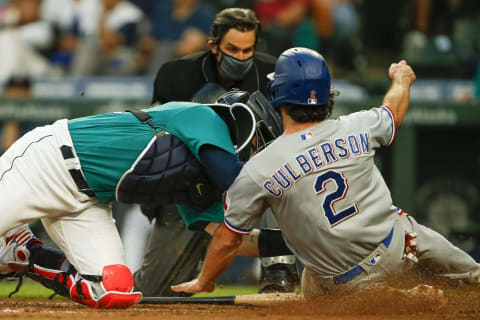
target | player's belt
[
  {"x": 77, "y": 176},
  {"x": 357, "y": 270}
]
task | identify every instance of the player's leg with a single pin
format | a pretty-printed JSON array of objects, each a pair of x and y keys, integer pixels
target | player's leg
[
  {"x": 135, "y": 230},
  {"x": 89, "y": 238},
  {"x": 173, "y": 255},
  {"x": 35, "y": 183},
  {"x": 22, "y": 254},
  {"x": 313, "y": 285},
  {"x": 33, "y": 180},
  {"x": 440, "y": 256},
  {"x": 91, "y": 243},
  {"x": 386, "y": 259}
]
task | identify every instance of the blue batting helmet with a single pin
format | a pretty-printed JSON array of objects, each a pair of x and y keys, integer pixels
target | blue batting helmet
[{"x": 301, "y": 77}]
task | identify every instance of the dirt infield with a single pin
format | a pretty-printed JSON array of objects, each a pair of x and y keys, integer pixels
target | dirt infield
[{"x": 458, "y": 301}]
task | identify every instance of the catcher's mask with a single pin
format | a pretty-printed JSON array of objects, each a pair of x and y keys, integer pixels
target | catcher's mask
[
  {"x": 240, "y": 121},
  {"x": 267, "y": 122}
]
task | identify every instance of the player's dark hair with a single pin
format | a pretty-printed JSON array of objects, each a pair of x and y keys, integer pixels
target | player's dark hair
[
  {"x": 303, "y": 114},
  {"x": 238, "y": 18}
]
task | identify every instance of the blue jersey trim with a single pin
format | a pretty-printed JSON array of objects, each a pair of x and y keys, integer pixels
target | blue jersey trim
[
  {"x": 392, "y": 118},
  {"x": 236, "y": 230}
]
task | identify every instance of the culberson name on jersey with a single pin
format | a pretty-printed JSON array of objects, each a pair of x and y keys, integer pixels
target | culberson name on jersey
[{"x": 315, "y": 158}]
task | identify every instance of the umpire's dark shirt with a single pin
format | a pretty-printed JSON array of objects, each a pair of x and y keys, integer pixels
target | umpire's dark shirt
[{"x": 180, "y": 79}]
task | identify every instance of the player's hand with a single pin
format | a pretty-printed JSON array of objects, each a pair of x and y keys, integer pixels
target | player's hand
[
  {"x": 402, "y": 72},
  {"x": 193, "y": 286}
]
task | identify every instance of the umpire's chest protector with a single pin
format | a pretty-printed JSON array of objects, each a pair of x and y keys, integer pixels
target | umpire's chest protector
[{"x": 166, "y": 172}]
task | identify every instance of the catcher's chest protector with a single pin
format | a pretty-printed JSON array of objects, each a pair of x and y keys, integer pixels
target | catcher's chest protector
[{"x": 167, "y": 172}]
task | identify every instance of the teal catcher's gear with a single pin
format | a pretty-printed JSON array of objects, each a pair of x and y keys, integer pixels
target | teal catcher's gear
[
  {"x": 156, "y": 161},
  {"x": 126, "y": 138}
]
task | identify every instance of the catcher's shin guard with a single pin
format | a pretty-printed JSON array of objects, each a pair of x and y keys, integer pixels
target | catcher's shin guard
[
  {"x": 56, "y": 280},
  {"x": 113, "y": 289},
  {"x": 22, "y": 254}
]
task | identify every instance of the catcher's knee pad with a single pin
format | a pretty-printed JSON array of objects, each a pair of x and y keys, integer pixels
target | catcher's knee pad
[{"x": 113, "y": 289}]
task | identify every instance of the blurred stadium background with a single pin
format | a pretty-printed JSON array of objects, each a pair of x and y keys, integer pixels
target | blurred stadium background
[{"x": 69, "y": 58}]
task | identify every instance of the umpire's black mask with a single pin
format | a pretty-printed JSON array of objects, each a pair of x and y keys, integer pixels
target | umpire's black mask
[{"x": 234, "y": 68}]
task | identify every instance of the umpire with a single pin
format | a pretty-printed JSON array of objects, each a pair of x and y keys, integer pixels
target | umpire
[{"x": 230, "y": 62}]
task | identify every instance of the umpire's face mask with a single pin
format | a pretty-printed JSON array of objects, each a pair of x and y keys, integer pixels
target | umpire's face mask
[{"x": 234, "y": 68}]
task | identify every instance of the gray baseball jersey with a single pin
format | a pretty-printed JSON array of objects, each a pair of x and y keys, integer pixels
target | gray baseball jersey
[{"x": 329, "y": 198}]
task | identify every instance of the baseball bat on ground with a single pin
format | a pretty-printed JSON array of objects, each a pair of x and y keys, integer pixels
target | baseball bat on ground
[{"x": 261, "y": 299}]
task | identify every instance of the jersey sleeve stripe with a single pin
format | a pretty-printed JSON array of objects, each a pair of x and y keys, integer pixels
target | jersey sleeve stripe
[
  {"x": 236, "y": 230},
  {"x": 394, "y": 129},
  {"x": 401, "y": 212}
]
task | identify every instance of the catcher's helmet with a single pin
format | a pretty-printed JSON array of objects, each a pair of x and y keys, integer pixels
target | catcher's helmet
[
  {"x": 301, "y": 77},
  {"x": 268, "y": 123}
]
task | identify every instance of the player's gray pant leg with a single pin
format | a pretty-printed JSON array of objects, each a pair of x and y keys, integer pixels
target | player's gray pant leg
[
  {"x": 385, "y": 260},
  {"x": 434, "y": 252},
  {"x": 440, "y": 256},
  {"x": 173, "y": 256}
]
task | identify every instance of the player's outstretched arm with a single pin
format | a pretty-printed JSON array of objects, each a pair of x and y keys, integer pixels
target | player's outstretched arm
[
  {"x": 248, "y": 246},
  {"x": 259, "y": 243},
  {"x": 397, "y": 97},
  {"x": 222, "y": 250}
]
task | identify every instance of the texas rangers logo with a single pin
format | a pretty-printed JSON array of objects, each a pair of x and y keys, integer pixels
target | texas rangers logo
[{"x": 313, "y": 97}]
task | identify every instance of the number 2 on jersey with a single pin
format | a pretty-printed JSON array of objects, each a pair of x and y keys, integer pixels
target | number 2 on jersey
[{"x": 334, "y": 218}]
